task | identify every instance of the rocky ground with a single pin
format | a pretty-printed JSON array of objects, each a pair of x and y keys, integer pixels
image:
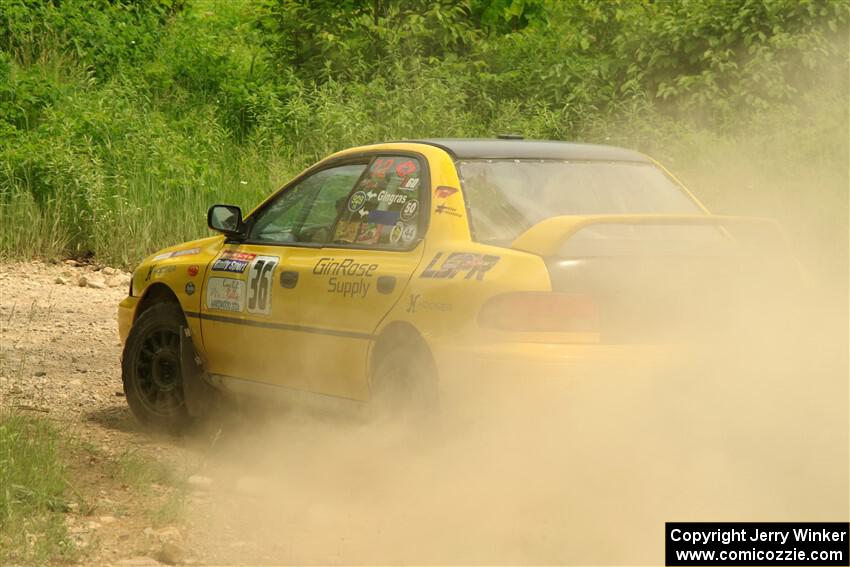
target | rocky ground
[
  {"x": 135, "y": 498},
  {"x": 59, "y": 358}
]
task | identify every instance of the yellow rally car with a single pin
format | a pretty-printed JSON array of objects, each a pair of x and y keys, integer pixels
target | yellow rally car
[{"x": 377, "y": 269}]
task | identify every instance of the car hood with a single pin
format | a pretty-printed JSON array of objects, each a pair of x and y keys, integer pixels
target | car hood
[{"x": 199, "y": 246}]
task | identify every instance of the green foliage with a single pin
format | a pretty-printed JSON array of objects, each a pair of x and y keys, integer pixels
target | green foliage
[
  {"x": 121, "y": 121},
  {"x": 101, "y": 34},
  {"x": 505, "y": 16},
  {"x": 722, "y": 56},
  {"x": 354, "y": 40}
]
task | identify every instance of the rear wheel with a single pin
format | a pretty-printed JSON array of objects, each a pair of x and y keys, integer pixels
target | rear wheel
[
  {"x": 151, "y": 368},
  {"x": 403, "y": 383}
]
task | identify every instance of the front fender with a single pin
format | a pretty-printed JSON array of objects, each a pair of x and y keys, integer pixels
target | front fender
[{"x": 181, "y": 269}]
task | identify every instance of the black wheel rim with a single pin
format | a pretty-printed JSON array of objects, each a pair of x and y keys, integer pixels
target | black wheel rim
[
  {"x": 398, "y": 382},
  {"x": 157, "y": 368}
]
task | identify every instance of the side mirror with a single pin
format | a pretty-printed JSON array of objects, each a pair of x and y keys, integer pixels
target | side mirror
[{"x": 226, "y": 219}]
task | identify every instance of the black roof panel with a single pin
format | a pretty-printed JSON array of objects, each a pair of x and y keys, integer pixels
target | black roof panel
[{"x": 464, "y": 148}]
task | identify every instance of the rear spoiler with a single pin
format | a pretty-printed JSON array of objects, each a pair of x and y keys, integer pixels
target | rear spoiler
[{"x": 547, "y": 237}]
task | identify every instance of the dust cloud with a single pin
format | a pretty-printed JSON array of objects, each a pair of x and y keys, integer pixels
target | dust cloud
[
  {"x": 746, "y": 420},
  {"x": 582, "y": 468}
]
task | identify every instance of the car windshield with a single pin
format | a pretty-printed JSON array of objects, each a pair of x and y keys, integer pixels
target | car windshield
[{"x": 506, "y": 197}]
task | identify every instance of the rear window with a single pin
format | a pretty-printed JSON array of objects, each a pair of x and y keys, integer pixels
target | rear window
[
  {"x": 383, "y": 208},
  {"x": 507, "y": 197}
]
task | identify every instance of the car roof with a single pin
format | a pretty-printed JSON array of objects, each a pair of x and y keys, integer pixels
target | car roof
[{"x": 467, "y": 148}]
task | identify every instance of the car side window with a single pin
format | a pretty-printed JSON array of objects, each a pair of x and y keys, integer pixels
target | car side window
[
  {"x": 383, "y": 209},
  {"x": 307, "y": 211}
]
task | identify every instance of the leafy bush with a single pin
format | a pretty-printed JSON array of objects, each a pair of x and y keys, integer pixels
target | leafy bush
[{"x": 120, "y": 121}]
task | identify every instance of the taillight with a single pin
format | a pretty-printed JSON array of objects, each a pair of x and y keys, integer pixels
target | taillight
[{"x": 541, "y": 312}]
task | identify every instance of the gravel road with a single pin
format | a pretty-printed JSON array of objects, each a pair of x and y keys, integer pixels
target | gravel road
[
  {"x": 723, "y": 439},
  {"x": 60, "y": 359}
]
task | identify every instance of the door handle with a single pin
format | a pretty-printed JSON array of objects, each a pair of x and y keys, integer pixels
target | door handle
[
  {"x": 288, "y": 279},
  {"x": 386, "y": 284}
]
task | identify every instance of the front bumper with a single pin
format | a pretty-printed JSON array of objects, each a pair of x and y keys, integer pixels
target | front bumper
[{"x": 126, "y": 315}]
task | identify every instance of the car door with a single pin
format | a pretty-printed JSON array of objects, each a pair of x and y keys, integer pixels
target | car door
[
  {"x": 249, "y": 318},
  {"x": 350, "y": 285},
  {"x": 324, "y": 261}
]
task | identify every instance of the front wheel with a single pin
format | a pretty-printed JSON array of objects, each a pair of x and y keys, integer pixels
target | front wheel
[{"x": 151, "y": 369}]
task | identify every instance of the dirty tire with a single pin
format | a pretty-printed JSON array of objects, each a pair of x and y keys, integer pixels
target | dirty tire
[
  {"x": 150, "y": 367},
  {"x": 403, "y": 383}
]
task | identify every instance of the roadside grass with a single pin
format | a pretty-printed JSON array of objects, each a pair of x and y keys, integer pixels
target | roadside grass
[
  {"x": 33, "y": 493},
  {"x": 47, "y": 474},
  {"x": 171, "y": 509},
  {"x": 141, "y": 473}
]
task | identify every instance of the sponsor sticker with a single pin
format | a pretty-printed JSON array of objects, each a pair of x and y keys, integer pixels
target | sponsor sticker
[
  {"x": 228, "y": 265},
  {"x": 382, "y": 166},
  {"x": 226, "y": 294},
  {"x": 356, "y": 201},
  {"x": 406, "y": 168},
  {"x": 475, "y": 265},
  {"x": 346, "y": 277},
  {"x": 396, "y": 232},
  {"x": 410, "y": 209},
  {"x": 187, "y": 252},
  {"x": 176, "y": 253},
  {"x": 260, "y": 279},
  {"x": 391, "y": 198},
  {"x": 444, "y": 209},
  {"x": 408, "y": 235},
  {"x": 416, "y": 303},
  {"x": 237, "y": 255},
  {"x": 383, "y": 217},
  {"x": 370, "y": 233},
  {"x": 443, "y": 192},
  {"x": 349, "y": 288},
  {"x": 410, "y": 183},
  {"x": 369, "y": 184},
  {"x": 156, "y": 271},
  {"x": 346, "y": 267}
]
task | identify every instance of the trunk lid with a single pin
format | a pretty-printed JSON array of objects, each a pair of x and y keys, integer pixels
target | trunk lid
[{"x": 668, "y": 278}]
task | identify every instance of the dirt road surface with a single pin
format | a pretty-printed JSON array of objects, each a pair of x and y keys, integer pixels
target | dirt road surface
[
  {"x": 59, "y": 358},
  {"x": 579, "y": 488}
]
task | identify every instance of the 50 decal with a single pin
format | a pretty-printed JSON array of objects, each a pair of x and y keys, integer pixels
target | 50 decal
[{"x": 260, "y": 278}]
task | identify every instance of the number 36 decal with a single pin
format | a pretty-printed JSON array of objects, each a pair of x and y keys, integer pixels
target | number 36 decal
[{"x": 260, "y": 278}]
